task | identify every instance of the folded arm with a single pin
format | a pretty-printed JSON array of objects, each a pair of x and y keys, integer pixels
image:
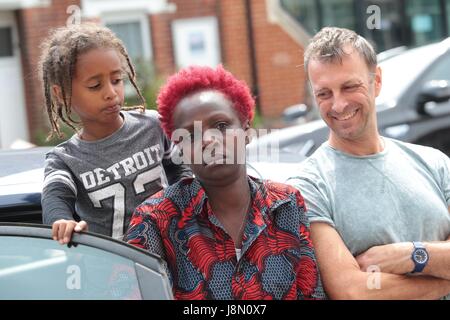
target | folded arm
[
  {"x": 343, "y": 278},
  {"x": 396, "y": 258}
]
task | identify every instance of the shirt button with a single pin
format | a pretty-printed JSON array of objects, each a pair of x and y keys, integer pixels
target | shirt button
[{"x": 238, "y": 278}]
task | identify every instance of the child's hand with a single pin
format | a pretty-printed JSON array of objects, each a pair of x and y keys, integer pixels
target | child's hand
[{"x": 62, "y": 229}]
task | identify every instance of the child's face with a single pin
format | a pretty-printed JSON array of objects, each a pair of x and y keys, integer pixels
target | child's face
[{"x": 97, "y": 86}]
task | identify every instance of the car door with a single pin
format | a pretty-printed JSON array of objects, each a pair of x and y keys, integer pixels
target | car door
[
  {"x": 33, "y": 266},
  {"x": 428, "y": 123},
  {"x": 434, "y": 129}
]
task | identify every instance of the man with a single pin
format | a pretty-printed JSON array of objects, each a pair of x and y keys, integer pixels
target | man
[{"x": 370, "y": 197}]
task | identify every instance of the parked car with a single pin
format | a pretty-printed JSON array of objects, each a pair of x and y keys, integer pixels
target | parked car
[
  {"x": 21, "y": 178},
  {"x": 413, "y": 105},
  {"x": 34, "y": 266}
]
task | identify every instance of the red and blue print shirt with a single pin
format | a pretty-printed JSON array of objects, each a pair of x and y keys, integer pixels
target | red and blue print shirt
[{"x": 277, "y": 257}]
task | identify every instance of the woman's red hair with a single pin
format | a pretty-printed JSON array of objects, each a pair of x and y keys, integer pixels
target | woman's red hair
[{"x": 194, "y": 79}]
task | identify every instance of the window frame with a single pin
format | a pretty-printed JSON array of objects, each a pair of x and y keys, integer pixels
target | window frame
[
  {"x": 133, "y": 17},
  {"x": 144, "y": 262}
]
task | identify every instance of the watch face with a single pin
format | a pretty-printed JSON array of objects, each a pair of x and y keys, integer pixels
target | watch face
[{"x": 420, "y": 256}]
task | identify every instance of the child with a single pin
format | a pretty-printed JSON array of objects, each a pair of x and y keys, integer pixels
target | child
[{"x": 116, "y": 159}]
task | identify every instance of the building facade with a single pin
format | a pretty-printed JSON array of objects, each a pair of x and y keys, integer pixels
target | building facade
[
  {"x": 400, "y": 22},
  {"x": 260, "y": 41},
  {"x": 240, "y": 34}
]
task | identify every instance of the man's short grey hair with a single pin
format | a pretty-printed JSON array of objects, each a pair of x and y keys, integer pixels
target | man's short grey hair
[{"x": 329, "y": 43}]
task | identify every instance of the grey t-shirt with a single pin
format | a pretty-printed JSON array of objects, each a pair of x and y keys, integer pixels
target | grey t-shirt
[
  {"x": 103, "y": 181},
  {"x": 401, "y": 194}
]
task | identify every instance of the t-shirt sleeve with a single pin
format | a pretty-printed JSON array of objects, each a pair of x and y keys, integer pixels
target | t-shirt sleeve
[
  {"x": 313, "y": 190},
  {"x": 444, "y": 173},
  {"x": 59, "y": 191}
]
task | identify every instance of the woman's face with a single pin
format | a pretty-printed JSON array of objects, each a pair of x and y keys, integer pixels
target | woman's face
[{"x": 211, "y": 136}]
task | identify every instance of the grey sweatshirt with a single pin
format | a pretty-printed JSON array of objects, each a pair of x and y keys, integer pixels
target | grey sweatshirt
[{"x": 103, "y": 181}]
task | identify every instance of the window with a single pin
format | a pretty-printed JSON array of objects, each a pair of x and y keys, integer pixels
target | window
[
  {"x": 448, "y": 17},
  {"x": 338, "y": 13},
  {"x": 134, "y": 31},
  {"x": 131, "y": 35},
  {"x": 440, "y": 70},
  {"x": 390, "y": 33},
  {"x": 6, "y": 44},
  {"x": 315, "y": 14},
  {"x": 85, "y": 273},
  {"x": 307, "y": 12},
  {"x": 196, "y": 42},
  {"x": 402, "y": 23},
  {"x": 33, "y": 266},
  {"x": 425, "y": 21}
]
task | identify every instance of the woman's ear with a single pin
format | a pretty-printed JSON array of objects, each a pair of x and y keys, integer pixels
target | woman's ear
[{"x": 248, "y": 137}]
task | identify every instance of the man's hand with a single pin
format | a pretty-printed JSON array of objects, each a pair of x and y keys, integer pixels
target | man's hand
[
  {"x": 62, "y": 229},
  {"x": 392, "y": 258}
]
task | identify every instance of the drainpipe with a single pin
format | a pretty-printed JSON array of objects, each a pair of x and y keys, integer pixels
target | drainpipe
[{"x": 251, "y": 46}]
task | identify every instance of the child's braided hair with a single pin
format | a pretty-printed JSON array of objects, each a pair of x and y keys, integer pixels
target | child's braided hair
[{"x": 57, "y": 66}]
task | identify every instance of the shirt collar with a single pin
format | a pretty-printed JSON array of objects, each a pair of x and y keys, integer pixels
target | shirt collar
[{"x": 267, "y": 201}]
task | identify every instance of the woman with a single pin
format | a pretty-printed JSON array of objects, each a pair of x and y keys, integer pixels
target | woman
[{"x": 223, "y": 234}]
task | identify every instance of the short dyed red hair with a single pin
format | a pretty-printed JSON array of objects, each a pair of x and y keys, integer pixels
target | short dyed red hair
[{"x": 195, "y": 79}]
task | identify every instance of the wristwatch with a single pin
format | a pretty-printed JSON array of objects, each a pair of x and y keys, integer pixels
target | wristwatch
[{"x": 419, "y": 257}]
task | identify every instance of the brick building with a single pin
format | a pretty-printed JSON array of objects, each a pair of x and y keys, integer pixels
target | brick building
[{"x": 253, "y": 39}]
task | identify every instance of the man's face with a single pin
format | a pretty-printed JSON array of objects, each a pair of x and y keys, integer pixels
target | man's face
[{"x": 345, "y": 94}]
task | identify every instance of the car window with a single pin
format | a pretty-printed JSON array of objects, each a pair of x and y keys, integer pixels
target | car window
[
  {"x": 39, "y": 268},
  {"x": 43, "y": 269},
  {"x": 400, "y": 71},
  {"x": 440, "y": 70}
]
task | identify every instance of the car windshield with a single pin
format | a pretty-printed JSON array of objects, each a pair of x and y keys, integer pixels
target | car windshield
[{"x": 401, "y": 70}]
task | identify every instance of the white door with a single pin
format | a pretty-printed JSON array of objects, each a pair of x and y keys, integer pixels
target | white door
[
  {"x": 13, "y": 120},
  {"x": 196, "y": 42}
]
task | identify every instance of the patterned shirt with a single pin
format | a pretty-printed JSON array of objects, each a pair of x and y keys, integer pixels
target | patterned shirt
[{"x": 278, "y": 259}]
